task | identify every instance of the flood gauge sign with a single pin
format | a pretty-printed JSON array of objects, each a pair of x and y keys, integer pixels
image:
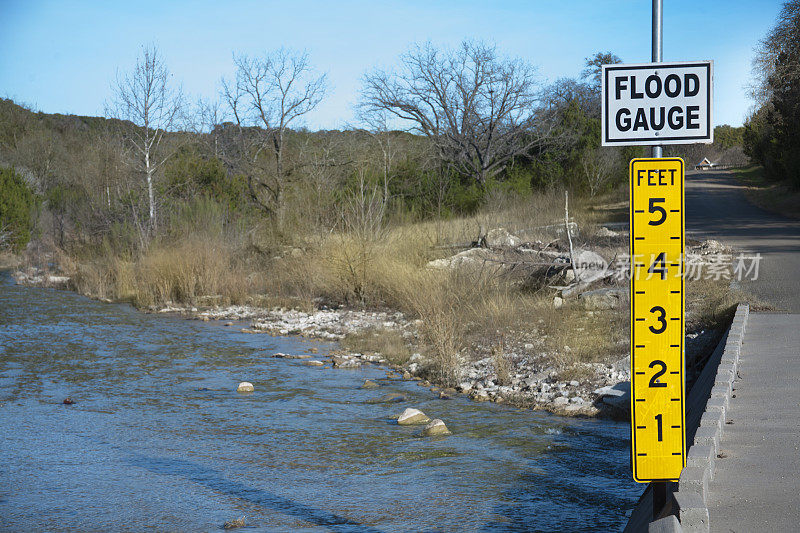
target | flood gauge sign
[
  {"x": 658, "y": 385},
  {"x": 657, "y": 103}
]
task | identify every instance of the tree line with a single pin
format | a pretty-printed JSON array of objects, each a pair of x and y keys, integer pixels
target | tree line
[
  {"x": 443, "y": 133},
  {"x": 772, "y": 132}
]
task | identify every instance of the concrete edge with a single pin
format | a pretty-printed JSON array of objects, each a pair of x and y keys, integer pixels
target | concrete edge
[
  {"x": 668, "y": 524},
  {"x": 691, "y": 498}
]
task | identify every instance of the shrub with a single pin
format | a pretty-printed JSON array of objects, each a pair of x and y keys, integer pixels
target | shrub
[{"x": 17, "y": 204}]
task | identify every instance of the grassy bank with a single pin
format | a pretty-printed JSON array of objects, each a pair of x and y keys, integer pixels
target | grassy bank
[
  {"x": 462, "y": 314},
  {"x": 777, "y": 197}
]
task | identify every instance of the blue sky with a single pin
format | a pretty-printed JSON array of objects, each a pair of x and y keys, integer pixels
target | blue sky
[{"x": 62, "y": 56}]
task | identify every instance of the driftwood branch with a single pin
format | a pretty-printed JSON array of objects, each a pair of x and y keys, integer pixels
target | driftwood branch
[{"x": 569, "y": 237}]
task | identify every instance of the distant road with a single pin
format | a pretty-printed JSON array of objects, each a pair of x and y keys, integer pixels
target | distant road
[{"x": 717, "y": 208}]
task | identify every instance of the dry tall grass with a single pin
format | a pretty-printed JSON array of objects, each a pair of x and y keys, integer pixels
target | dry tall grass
[
  {"x": 371, "y": 264},
  {"x": 167, "y": 273}
]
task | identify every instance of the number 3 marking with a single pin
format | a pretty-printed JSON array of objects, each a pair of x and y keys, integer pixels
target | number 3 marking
[{"x": 660, "y": 310}]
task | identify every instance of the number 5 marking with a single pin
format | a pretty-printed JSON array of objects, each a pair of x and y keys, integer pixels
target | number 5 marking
[{"x": 657, "y": 209}]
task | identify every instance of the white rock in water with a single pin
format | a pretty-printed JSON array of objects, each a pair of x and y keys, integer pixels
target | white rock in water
[
  {"x": 412, "y": 416},
  {"x": 434, "y": 428},
  {"x": 560, "y": 401},
  {"x": 245, "y": 386}
]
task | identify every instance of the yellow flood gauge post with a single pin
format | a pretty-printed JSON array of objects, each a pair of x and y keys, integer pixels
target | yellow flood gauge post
[{"x": 658, "y": 385}]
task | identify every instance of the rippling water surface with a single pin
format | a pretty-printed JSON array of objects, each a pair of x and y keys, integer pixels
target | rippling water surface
[{"x": 158, "y": 439}]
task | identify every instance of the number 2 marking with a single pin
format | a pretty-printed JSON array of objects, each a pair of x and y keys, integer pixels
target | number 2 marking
[{"x": 654, "y": 380}]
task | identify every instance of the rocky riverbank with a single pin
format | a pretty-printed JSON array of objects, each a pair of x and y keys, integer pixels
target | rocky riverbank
[
  {"x": 532, "y": 381},
  {"x": 527, "y": 373}
]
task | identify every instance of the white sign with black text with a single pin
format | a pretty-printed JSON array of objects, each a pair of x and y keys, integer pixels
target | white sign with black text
[{"x": 657, "y": 103}]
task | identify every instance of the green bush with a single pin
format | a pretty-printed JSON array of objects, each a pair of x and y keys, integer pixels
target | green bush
[
  {"x": 17, "y": 204},
  {"x": 189, "y": 174}
]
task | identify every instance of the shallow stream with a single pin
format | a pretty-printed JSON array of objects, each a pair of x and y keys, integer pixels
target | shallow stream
[{"x": 158, "y": 439}]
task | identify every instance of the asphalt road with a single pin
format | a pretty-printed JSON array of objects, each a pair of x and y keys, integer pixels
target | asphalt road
[{"x": 717, "y": 208}]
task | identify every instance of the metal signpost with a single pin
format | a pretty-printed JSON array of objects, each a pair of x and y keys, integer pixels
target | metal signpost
[{"x": 655, "y": 104}]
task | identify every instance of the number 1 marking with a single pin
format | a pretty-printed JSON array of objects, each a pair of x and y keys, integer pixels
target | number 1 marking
[{"x": 658, "y": 419}]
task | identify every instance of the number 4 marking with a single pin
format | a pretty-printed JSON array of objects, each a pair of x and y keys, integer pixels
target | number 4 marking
[{"x": 659, "y": 266}]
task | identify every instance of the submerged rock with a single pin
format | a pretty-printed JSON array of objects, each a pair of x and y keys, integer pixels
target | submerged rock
[
  {"x": 412, "y": 416},
  {"x": 392, "y": 397},
  {"x": 369, "y": 384},
  {"x": 245, "y": 386},
  {"x": 344, "y": 362},
  {"x": 279, "y": 355},
  {"x": 234, "y": 524},
  {"x": 68, "y": 401},
  {"x": 434, "y": 428},
  {"x": 313, "y": 362}
]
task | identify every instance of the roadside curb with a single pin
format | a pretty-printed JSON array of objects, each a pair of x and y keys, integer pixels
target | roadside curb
[{"x": 691, "y": 497}]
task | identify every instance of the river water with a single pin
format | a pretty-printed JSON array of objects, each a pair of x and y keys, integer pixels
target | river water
[{"x": 159, "y": 440}]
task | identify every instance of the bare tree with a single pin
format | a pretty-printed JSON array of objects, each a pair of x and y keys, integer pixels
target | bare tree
[
  {"x": 210, "y": 115},
  {"x": 145, "y": 99},
  {"x": 271, "y": 93},
  {"x": 598, "y": 166},
  {"x": 378, "y": 129},
  {"x": 777, "y": 61},
  {"x": 478, "y": 109}
]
